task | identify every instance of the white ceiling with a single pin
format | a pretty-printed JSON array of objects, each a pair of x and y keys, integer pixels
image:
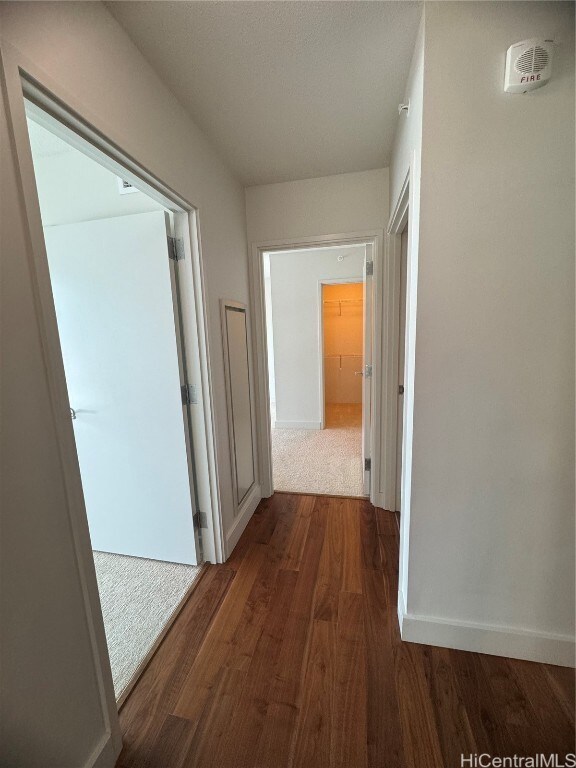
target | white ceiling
[
  {"x": 44, "y": 143},
  {"x": 286, "y": 90}
]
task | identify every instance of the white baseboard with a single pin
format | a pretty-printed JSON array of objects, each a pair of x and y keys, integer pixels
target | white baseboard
[
  {"x": 297, "y": 425},
  {"x": 401, "y": 610},
  {"x": 105, "y": 754},
  {"x": 497, "y": 641},
  {"x": 245, "y": 512}
]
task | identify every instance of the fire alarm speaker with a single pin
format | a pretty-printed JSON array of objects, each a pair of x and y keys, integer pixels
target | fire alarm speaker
[{"x": 528, "y": 65}]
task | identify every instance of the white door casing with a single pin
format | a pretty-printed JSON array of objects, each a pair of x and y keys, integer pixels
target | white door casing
[
  {"x": 367, "y": 378},
  {"x": 382, "y": 481},
  {"x": 401, "y": 360}
]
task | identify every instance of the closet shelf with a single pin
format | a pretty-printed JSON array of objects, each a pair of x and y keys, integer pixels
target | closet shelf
[
  {"x": 341, "y": 357},
  {"x": 341, "y": 302}
]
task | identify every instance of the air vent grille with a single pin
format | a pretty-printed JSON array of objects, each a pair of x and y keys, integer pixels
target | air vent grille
[{"x": 533, "y": 60}]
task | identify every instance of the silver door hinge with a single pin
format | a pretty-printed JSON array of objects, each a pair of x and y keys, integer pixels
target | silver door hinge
[
  {"x": 200, "y": 520},
  {"x": 367, "y": 465},
  {"x": 189, "y": 394},
  {"x": 368, "y": 371},
  {"x": 369, "y": 268},
  {"x": 175, "y": 249}
]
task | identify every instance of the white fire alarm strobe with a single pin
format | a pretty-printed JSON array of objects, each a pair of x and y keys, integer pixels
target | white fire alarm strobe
[{"x": 528, "y": 65}]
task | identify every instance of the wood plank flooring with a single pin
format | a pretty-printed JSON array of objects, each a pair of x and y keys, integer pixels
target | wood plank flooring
[{"x": 289, "y": 656}]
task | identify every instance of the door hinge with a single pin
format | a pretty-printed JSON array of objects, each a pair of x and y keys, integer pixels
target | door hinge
[
  {"x": 368, "y": 371},
  {"x": 369, "y": 268},
  {"x": 189, "y": 394},
  {"x": 175, "y": 249},
  {"x": 367, "y": 465},
  {"x": 401, "y": 389},
  {"x": 200, "y": 520}
]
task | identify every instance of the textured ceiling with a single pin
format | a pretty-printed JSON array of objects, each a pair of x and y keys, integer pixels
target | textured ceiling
[{"x": 286, "y": 90}]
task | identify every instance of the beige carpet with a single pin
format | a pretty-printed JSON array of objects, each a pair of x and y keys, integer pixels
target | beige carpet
[
  {"x": 138, "y": 597},
  {"x": 318, "y": 461}
]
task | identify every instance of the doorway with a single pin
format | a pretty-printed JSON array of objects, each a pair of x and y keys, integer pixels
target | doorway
[
  {"x": 113, "y": 267},
  {"x": 319, "y": 349}
]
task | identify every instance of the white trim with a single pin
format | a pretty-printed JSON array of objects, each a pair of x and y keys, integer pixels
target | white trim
[
  {"x": 298, "y": 425},
  {"x": 512, "y": 642},
  {"x": 390, "y": 350},
  {"x": 67, "y": 122},
  {"x": 194, "y": 312},
  {"x": 225, "y": 304},
  {"x": 104, "y": 755},
  {"x": 401, "y": 609},
  {"x": 405, "y": 211},
  {"x": 245, "y": 512},
  {"x": 375, "y": 238}
]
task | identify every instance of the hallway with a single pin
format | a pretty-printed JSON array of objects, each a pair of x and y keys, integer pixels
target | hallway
[{"x": 289, "y": 654}]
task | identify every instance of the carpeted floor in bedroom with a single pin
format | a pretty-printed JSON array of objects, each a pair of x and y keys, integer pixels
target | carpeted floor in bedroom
[
  {"x": 138, "y": 598},
  {"x": 321, "y": 461}
]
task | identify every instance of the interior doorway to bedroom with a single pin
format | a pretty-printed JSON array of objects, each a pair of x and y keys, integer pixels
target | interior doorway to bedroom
[
  {"x": 115, "y": 288},
  {"x": 318, "y": 330}
]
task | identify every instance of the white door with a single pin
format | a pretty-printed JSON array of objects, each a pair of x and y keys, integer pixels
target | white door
[
  {"x": 112, "y": 291},
  {"x": 367, "y": 378}
]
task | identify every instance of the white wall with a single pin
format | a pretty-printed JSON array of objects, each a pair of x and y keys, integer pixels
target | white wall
[
  {"x": 493, "y": 443},
  {"x": 296, "y": 307},
  {"x": 407, "y": 145},
  {"x": 348, "y": 202},
  {"x": 82, "y": 54}
]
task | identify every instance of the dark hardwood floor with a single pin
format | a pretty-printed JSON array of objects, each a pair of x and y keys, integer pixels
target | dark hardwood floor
[{"x": 290, "y": 655}]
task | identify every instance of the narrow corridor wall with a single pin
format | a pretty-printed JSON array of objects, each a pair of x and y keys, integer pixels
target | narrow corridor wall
[{"x": 493, "y": 442}]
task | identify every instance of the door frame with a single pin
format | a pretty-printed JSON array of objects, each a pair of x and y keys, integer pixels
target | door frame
[
  {"x": 380, "y": 475},
  {"x": 404, "y": 212},
  {"x": 322, "y": 282},
  {"x": 396, "y": 226},
  {"x": 25, "y": 81},
  {"x": 186, "y": 228}
]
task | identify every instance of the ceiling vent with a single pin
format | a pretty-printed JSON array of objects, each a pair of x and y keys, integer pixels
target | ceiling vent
[{"x": 528, "y": 65}]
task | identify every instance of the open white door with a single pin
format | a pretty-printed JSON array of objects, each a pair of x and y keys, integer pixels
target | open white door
[
  {"x": 367, "y": 378},
  {"x": 113, "y": 294}
]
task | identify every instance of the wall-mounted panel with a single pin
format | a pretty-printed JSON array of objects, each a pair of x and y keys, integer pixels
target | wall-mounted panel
[{"x": 238, "y": 391}]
